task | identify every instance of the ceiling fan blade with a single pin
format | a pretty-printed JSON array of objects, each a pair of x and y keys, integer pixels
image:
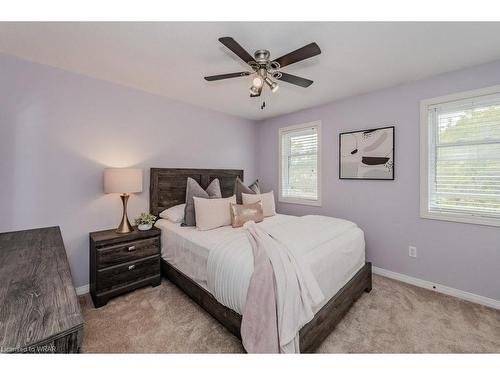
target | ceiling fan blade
[
  {"x": 300, "y": 54},
  {"x": 299, "y": 81},
  {"x": 260, "y": 91},
  {"x": 225, "y": 76},
  {"x": 237, "y": 49}
]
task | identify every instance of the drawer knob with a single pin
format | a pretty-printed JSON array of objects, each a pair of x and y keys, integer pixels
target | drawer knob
[
  {"x": 131, "y": 267},
  {"x": 131, "y": 248}
]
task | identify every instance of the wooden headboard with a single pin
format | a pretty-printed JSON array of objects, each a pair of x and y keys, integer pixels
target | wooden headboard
[{"x": 167, "y": 186}]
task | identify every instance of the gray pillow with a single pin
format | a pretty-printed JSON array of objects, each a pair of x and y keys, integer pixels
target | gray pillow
[
  {"x": 193, "y": 189},
  {"x": 240, "y": 187}
]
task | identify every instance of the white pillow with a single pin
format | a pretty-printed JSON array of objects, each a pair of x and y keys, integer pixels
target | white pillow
[
  {"x": 175, "y": 214},
  {"x": 267, "y": 199},
  {"x": 213, "y": 213}
]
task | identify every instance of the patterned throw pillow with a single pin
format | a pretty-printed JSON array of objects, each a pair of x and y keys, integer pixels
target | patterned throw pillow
[
  {"x": 193, "y": 189},
  {"x": 240, "y": 187},
  {"x": 241, "y": 213}
]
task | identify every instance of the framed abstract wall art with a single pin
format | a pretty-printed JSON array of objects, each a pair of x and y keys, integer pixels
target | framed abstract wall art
[{"x": 367, "y": 154}]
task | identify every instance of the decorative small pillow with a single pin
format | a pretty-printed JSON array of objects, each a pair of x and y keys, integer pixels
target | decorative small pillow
[
  {"x": 241, "y": 213},
  {"x": 193, "y": 189},
  {"x": 174, "y": 214},
  {"x": 267, "y": 200},
  {"x": 213, "y": 213},
  {"x": 240, "y": 187}
]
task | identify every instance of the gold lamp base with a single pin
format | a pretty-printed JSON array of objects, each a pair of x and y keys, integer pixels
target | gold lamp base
[{"x": 124, "y": 226}]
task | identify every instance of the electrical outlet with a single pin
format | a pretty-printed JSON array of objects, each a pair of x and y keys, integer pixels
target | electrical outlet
[{"x": 412, "y": 251}]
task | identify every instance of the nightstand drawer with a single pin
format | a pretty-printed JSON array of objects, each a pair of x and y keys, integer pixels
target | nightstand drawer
[
  {"x": 128, "y": 272},
  {"x": 125, "y": 252}
]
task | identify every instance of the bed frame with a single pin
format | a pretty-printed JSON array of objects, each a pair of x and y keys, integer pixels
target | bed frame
[{"x": 168, "y": 188}]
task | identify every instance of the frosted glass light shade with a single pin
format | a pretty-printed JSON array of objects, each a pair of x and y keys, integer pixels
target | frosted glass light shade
[{"x": 122, "y": 180}]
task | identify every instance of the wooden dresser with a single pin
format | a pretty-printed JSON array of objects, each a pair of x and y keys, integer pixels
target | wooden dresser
[
  {"x": 39, "y": 310},
  {"x": 120, "y": 263}
]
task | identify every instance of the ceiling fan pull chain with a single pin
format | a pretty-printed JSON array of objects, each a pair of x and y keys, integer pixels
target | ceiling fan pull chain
[{"x": 264, "y": 101}]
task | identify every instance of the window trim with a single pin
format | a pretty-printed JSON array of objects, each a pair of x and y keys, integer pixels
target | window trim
[
  {"x": 424, "y": 159},
  {"x": 301, "y": 201}
]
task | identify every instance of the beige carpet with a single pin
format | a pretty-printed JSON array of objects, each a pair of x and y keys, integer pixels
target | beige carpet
[{"x": 393, "y": 318}]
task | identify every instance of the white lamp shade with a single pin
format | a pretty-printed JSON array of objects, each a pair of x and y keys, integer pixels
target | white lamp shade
[{"x": 122, "y": 180}]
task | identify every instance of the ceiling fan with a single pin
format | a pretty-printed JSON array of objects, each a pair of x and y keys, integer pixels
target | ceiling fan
[{"x": 263, "y": 68}]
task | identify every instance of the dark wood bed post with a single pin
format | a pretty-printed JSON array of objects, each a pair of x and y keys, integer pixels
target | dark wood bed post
[{"x": 168, "y": 188}]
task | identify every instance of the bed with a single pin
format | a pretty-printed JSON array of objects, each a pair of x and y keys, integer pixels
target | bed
[{"x": 185, "y": 253}]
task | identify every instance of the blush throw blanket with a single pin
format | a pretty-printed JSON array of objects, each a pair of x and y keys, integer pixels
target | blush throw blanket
[{"x": 281, "y": 296}]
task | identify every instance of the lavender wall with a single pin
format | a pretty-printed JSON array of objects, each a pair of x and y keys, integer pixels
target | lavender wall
[
  {"x": 462, "y": 256},
  {"x": 59, "y": 130}
]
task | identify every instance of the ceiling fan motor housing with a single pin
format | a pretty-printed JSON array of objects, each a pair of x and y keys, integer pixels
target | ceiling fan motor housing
[{"x": 262, "y": 56}]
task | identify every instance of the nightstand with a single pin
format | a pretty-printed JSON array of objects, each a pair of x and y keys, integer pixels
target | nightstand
[{"x": 120, "y": 263}]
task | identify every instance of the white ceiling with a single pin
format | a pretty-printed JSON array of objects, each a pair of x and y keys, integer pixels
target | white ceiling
[{"x": 170, "y": 59}]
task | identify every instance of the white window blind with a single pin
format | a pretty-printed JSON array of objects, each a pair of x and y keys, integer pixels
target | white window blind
[
  {"x": 464, "y": 157},
  {"x": 299, "y": 147}
]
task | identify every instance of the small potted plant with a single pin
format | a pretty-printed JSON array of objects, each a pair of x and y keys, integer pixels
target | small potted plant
[{"x": 145, "y": 221}]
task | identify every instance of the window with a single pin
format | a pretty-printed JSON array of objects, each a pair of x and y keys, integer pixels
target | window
[
  {"x": 300, "y": 167},
  {"x": 460, "y": 157}
]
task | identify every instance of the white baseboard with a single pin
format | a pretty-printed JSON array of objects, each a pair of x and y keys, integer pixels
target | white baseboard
[
  {"x": 490, "y": 302},
  {"x": 84, "y": 289}
]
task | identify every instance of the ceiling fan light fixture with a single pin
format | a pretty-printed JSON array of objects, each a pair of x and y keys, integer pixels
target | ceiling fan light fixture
[
  {"x": 258, "y": 82},
  {"x": 254, "y": 90},
  {"x": 272, "y": 85}
]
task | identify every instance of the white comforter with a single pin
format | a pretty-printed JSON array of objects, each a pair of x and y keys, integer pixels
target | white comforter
[{"x": 230, "y": 263}]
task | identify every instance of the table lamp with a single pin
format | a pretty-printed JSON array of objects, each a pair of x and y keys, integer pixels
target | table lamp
[{"x": 123, "y": 181}]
